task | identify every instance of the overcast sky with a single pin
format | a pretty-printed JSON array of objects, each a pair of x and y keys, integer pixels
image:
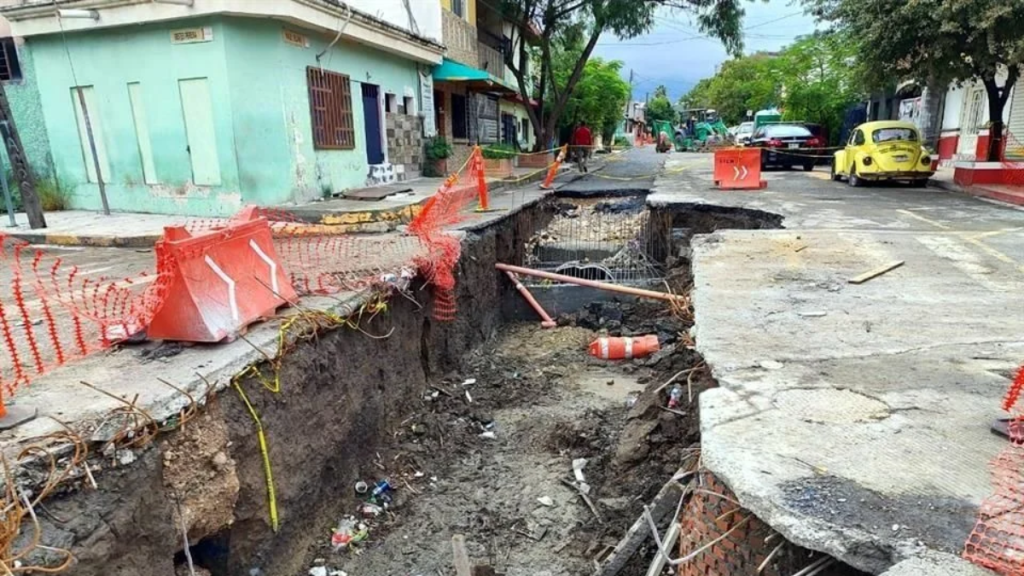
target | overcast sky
[{"x": 674, "y": 54}]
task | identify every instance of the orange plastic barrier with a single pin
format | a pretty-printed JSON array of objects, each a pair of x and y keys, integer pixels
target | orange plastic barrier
[
  {"x": 738, "y": 169},
  {"x": 221, "y": 280},
  {"x": 624, "y": 348},
  {"x": 550, "y": 179}
]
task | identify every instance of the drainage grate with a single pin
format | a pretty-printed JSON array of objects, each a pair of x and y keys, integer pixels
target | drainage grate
[{"x": 610, "y": 240}]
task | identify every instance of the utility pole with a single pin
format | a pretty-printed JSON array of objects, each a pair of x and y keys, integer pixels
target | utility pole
[{"x": 19, "y": 164}]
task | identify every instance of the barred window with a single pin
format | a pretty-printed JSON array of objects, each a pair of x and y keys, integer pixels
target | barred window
[
  {"x": 330, "y": 106},
  {"x": 10, "y": 68}
]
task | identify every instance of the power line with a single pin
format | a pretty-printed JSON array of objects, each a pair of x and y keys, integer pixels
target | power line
[{"x": 767, "y": 22}]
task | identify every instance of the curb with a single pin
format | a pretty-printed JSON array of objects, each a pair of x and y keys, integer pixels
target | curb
[
  {"x": 981, "y": 193},
  {"x": 143, "y": 241}
]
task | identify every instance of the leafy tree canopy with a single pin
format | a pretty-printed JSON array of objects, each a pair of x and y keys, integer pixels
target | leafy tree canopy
[
  {"x": 599, "y": 98},
  {"x": 813, "y": 80},
  {"x": 935, "y": 42},
  {"x": 573, "y": 28}
]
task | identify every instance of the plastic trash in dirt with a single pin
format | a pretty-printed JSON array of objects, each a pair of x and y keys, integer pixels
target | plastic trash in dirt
[
  {"x": 370, "y": 510},
  {"x": 349, "y": 531},
  {"x": 381, "y": 491},
  {"x": 675, "y": 396}
]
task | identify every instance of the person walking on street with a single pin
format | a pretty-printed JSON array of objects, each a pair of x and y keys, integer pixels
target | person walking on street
[{"x": 582, "y": 140}]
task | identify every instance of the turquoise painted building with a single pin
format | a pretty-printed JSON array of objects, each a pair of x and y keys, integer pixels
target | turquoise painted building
[
  {"x": 201, "y": 115},
  {"x": 27, "y": 108}
]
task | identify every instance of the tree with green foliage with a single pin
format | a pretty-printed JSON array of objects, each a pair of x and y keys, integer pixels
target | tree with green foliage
[
  {"x": 741, "y": 84},
  {"x": 599, "y": 97},
  {"x": 550, "y": 23},
  {"x": 820, "y": 80},
  {"x": 937, "y": 42},
  {"x": 660, "y": 108},
  {"x": 813, "y": 80}
]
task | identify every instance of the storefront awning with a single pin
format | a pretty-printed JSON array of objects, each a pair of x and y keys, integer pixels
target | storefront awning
[{"x": 475, "y": 78}]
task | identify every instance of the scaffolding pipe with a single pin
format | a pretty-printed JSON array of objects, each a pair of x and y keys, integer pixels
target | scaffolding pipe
[{"x": 590, "y": 283}]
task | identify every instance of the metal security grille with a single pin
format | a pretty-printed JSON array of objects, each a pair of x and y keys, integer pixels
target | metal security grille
[
  {"x": 10, "y": 68},
  {"x": 330, "y": 106},
  {"x": 611, "y": 240}
]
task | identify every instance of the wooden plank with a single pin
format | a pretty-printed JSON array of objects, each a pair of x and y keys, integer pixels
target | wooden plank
[
  {"x": 461, "y": 561},
  {"x": 657, "y": 567},
  {"x": 862, "y": 278}
]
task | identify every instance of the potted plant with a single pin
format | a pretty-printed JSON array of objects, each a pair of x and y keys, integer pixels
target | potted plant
[
  {"x": 437, "y": 152},
  {"x": 498, "y": 159}
]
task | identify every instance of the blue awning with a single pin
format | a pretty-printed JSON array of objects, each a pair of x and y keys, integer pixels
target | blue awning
[{"x": 452, "y": 71}]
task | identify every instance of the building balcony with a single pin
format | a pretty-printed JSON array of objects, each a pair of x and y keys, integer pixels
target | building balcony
[
  {"x": 492, "y": 60},
  {"x": 460, "y": 38}
]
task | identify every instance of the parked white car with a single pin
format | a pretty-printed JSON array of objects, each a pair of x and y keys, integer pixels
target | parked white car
[{"x": 743, "y": 132}]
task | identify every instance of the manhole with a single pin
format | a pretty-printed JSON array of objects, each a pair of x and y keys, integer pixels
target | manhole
[{"x": 829, "y": 405}]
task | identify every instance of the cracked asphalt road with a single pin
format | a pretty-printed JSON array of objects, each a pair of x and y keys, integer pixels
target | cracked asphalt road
[{"x": 799, "y": 352}]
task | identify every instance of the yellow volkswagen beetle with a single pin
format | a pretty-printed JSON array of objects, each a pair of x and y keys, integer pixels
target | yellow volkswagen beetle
[{"x": 887, "y": 150}]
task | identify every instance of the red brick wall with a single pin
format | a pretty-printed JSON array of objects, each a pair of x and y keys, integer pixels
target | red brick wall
[{"x": 713, "y": 511}]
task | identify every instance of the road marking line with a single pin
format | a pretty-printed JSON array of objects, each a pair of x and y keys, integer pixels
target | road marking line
[
  {"x": 939, "y": 225},
  {"x": 995, "y": 253},
  {"x": 994, "y": 233}
]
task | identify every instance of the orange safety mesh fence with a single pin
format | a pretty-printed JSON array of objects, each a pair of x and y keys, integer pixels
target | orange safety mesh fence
[
  {"x": 997, "y": 541},
  {"x": 53, "y": 312},
  {"x": 441, "y": 249}
]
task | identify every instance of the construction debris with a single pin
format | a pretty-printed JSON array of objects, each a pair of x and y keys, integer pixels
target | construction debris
[{"x": 876, "y": 272}]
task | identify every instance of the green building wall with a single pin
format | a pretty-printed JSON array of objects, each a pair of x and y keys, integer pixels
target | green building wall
[
  {"x": 27, "y": 109},
  {"x": 272, "y": 120},
  {"x": 259, "y": 103}
]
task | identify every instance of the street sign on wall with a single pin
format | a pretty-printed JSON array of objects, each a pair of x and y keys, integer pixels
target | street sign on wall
[
  {"x": 427, "y": 104},
  {"x": 192, "y": 35}
]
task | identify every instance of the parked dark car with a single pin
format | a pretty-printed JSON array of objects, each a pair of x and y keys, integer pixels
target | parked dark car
[
  {"x": 787, "y": 145},
  {"x": 824, "y": 155}
]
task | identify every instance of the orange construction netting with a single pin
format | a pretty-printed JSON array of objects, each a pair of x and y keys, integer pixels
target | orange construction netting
[
  {"x": 52, "y": 312},
  {"x": 997, "y": 541}
]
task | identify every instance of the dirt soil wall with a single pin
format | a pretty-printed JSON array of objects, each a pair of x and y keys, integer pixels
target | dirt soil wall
[{"x": 341, "y": 395}]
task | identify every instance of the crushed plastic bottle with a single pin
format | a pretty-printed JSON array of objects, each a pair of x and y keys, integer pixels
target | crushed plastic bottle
[{"x": 675, "y": 395}]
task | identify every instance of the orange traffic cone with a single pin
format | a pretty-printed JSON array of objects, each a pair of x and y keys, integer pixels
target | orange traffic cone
[{"x": 624, "y": 348}]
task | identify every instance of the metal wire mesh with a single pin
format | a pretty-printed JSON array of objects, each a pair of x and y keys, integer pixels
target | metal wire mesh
[{"x": 611, "y": 240}]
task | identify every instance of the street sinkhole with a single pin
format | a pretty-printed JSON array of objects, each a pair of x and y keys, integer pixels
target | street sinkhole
[
  {"x": 538, "y": 453},
  {"x": 526, "y": 454}
]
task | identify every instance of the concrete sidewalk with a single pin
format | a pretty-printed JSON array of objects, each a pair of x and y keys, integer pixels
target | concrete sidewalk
[
  {"x": 86, "y": 228},
  {"x": 138, "y": 230},
  {"x": 387, "y": 214}
]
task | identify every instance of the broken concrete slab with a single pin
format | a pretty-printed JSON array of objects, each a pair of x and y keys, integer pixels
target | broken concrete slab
[
  {"x": 936, "y": 564},
  {"x": 871, "y": 441}
]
